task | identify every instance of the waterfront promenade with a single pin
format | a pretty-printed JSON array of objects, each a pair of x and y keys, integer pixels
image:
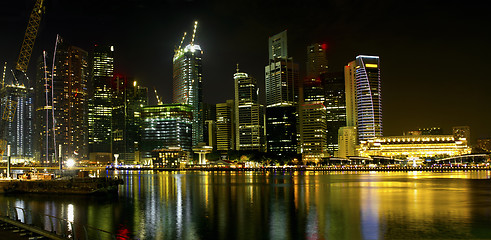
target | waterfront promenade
[{"x": 266, "y": 168}]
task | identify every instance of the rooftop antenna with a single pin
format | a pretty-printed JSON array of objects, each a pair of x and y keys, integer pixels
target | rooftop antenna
[
  {"x": 194, "y": 32},
  {"x": 182, "y": 40}
]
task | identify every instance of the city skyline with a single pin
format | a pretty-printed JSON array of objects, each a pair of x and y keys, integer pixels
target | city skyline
[{"x": 416, "y": 52}]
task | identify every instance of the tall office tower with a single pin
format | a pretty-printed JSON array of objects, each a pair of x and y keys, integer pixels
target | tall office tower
[
  {"x": 278, "y": 47},
  {"x": 368, "y": 97},
  {"x": 249, "y": 118},
  {"x": 100, "y": 104},
  {"x": 282, "y": 87},
  {"x": 19, "y": 130},
  {"x": 335, "y": 103},
  {"x": 314, "y": 126},
  {"x": 225, "y": 126},
  {"x": 316, "y": 59},
  {"x": 167, "y": 125},
  {"x": 363, "y": 88},
  {"x": 128, "y": 101},
  {"x": 187, "y": 85},
  {"x": 282, "y": 97},
  {"x": 350, "y": 90},
  {"x": 67, "y": 101}
]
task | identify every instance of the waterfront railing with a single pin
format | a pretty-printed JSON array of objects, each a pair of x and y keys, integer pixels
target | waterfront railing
[{"x": 48, "y": 225}]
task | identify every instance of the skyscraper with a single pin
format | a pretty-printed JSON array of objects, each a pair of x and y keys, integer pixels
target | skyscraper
[
  {"x": 314, "y": 134},
  {"x": 278, "y": 47},
  {"x": 187, "y": 85},
  {"x": 19, "y": 131},
  {"x": 363, "y": 96},
  {"x": 282, "y": 96},
  {"x": 335, "y": 103},
  {"x": 225, "y": 126},
  {"x": 67, "y": 102},
  {"x": 249, "y": 118},
  {"x": 128, "y": 100},
  {"x": 100, "y": 104},
  {"x": 350, "y": 91},
  {"x": 316, "y": 59},
  {"x": 282, "y": 87},
  {"x": 368, "y": 97}
]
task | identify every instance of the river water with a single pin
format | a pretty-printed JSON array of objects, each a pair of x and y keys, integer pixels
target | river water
[{"x": 282, "y": 205}]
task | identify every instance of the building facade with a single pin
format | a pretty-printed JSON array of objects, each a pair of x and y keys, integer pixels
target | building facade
[
  {"x": 368, "y": 97},
  {"x": 225, "y": 126},
  {"x": 335, "y": 103},
  {"x": 187, "y": 85},
  {"x": 128, "y": 100},
  {"x": 314, "y": 131},
  {"x": 101, "y": 104},
  {"x": 410, "y": 147},
  {"x": 166, "y": 126},
  {"x": 282, "y": 97},
  {"x": 64, "y": 99},
  {"x": 316, "y": 59},
  {"x": 281, "y": 126},
  {"x": 347, "y": 142},
  {"x": 19, "y": 129},
  {"x": 249, "y": 114}
]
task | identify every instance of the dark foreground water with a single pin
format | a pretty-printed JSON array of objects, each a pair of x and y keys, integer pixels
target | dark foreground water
[{"x": 299, "y": 205}]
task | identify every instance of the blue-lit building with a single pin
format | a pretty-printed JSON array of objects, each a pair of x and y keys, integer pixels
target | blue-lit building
[
  {"x": 164, "y": 126},
  {"x": 368, "y": 97},
  {"x": 19, "y": 129}
]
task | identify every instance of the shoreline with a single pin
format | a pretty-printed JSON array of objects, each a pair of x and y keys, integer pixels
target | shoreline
[{"x": 314, "y": 169}]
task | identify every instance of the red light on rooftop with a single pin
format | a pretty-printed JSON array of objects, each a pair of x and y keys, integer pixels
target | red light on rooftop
[{"x": 324, "y": 46}]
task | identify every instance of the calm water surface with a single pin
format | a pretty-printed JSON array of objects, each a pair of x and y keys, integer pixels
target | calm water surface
[{"x": 283, "y": 205}]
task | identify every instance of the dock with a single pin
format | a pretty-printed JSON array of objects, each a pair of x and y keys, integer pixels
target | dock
[{"x": 72, "y": 185}]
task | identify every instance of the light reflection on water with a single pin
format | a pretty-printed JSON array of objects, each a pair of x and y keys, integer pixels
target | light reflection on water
[{"x": 277, "y": 205}]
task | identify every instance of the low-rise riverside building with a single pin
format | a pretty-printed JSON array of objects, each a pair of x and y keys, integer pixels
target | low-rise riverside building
[{"x": 422, "y": 146}]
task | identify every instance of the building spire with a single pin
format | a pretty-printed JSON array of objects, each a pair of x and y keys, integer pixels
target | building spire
[{"x": 237, "y": 67}]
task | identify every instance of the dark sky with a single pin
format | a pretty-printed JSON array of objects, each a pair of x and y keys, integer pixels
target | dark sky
[{"x": 434, "y": 54}]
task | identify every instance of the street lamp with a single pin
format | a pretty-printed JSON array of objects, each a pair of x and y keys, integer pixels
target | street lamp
[{"x": 70, "y": 163}]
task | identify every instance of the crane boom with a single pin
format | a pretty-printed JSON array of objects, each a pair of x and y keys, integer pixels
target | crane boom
[
  {"x": 182, "y": 40},
  {"x": 30, "y": 36},
  {"x": 194, "y": 32}
]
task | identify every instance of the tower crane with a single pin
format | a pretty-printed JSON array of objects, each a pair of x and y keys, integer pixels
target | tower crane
[
  {"x": 21, "y": 68},
  {"x": 159, "y": 101},
  {"x": 30, "y": 36}
]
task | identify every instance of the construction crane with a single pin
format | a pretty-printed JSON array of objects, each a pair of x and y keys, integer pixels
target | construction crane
[
  {"x": 159, "y": 101},
  {"x": 30, "y": 36},
  {"x": 8, "y": 110},
  {"x": 194, "y": 32},
  {"x": 182, "y": 40}
]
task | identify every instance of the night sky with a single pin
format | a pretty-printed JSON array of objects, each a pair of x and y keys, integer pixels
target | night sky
[{"x": 434, "y": 56}]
